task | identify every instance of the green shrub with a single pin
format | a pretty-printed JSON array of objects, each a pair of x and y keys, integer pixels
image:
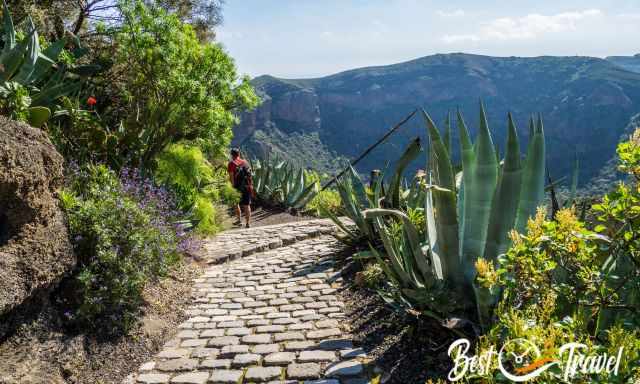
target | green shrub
[
  {"x": 228, "y": 194},
  {"x": 372, "y": 276},
  {"x": 569, "y": 281},
  {"x": 186, "y": 172},
  {"x": 33, "y": 73},
  {"x": 122, "y": 238},
  {"x": 325, "y": 201},
  {"x": 170, "y": 86}
]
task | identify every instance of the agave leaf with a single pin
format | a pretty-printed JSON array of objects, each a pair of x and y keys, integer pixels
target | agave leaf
[
  {"x": 413, "y": 237},
  {"x": 397, "y": 265},
  {"x": 505, "y": 200},
  {"x": 532, "y": 189},
  {"x": 445, "y": 204},
  {"x": 306, "y": 195},
  {"x": 31, "y": 57},
  {"x": 412, "y": 151},
  {"x": 11, "y": 61},
  {"x": 468, "y": 168},
  {"x": 326, "y": 212},
  {"x": 48, "y": 95},
  {"x": 358, "y": 185},
  {"x": 9, "y": 30},
  {"x": 447, "y": 133},
  {"x": 478, "y": 199},
  {"x": 432, "y": 235},
  {"x": 352, "y": 207}
]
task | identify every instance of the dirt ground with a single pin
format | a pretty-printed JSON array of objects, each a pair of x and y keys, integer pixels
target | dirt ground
[
  {"x": 410, "y": 350},
  {"x": 43, "y": 351}
]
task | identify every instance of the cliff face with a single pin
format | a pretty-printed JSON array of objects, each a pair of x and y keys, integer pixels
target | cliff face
[
  {"x": 585, "y": 103},
  {"x": 35, "y": 252}
]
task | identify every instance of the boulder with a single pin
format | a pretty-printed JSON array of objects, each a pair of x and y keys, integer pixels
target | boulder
[{"x": 35, "y": 252}]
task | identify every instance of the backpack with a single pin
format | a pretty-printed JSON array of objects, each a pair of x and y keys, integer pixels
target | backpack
[{"x": 243, "y": 178}]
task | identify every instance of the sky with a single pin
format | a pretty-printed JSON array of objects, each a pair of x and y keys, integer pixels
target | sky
[{"x": 305, "y": 38}]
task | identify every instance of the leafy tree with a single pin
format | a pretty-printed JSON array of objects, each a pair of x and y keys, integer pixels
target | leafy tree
[
  {"x": 175, "y": 88},
  {"x": 162, "y": 86}
]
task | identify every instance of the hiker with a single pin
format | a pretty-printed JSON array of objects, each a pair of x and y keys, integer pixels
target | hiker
[{"x": 241, "y": 179}]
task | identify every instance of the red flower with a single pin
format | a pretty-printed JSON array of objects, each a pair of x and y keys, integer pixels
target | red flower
[{"x": 91, "y": 101}]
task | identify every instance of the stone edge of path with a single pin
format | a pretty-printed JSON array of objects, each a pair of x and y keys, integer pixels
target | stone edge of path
[{"x": 323, "y": 227}]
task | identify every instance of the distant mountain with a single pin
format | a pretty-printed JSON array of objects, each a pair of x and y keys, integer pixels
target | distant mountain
[
  {"x": 585, "y": 102},
  {"x": 630, "y": 63}
]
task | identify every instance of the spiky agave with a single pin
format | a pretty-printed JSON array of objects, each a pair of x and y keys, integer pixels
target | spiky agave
[
  {"x": 468, "y": 221},
  {"x": 281, "y": 182},
  {"x": 356, "y": 197},
  {"x": 25, "y": 64}
]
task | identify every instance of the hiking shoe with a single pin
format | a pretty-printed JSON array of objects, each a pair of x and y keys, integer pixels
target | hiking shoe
[{"x": 248, "y": 226}]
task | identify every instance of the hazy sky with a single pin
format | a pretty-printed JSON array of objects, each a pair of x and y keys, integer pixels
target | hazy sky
[{"x": 304, "y": 38}]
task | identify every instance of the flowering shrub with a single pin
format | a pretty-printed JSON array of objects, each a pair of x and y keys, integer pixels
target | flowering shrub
[
  {"x": 568, "y": 281},
  {"x": 123, "y": 236}
]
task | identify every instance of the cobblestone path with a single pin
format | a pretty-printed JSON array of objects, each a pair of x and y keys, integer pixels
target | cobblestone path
[{"x": 271, "y": 316}]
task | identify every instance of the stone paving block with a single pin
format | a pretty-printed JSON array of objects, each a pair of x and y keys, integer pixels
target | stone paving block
[
  {"x": 303, "y": 371},
  {"x": 263, "y": 338},
  {"x": 212, "y": 333},
  {"x": 174, "y": 353},
  {"x": 298, "y": 345},
  {"x": 224, "y": 340},
  {"x": 243, "y": 331},
  {"x": 300, "y": 326},
  {"x": 288, "y": 336},
  {"x": 176, "y": 365},
  {"x": 191, "y": 378},
  {"x": 279, "y": 358},
  {"x": 246, "y": 359},
  {"x": 216, "y": 363},
  {"x": 225, "y": 376},
  {"x": 316, "y": 356},
  {"x": 262, "y": 374},
  {"x": 270, "y": 329},
  {"x": 193, "y": 343},
  {"x": 265, "y": 348},
  {"x": 323, "y": 333},
  {"x": 230, "y": 350}
]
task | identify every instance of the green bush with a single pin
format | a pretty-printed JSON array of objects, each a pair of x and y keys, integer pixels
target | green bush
[
  {"x": 186, "y": 172},
  {"x": 325, "y": 201},
  {"x": 569, "y": 281},
  {"x": 122, "y": 238},
  {"x": 170, "y": 87}
]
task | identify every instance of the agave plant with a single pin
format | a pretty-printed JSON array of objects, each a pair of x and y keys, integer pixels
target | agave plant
[
  {"x": 357, "y": 197},
  {"x": 468, "y": 216},
  {"x": 25, "y": 64},
  {"x": 283, "y": 183}
]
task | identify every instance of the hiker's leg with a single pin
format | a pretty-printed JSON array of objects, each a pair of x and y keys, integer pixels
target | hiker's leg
[
  {"x": 247, "y": 213},
  {"x": 238, "y": 213}
]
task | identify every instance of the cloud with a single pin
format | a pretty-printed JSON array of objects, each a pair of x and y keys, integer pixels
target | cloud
[
  {"x": 456, "y": 13},
  {"x": 525, "y": 27}
]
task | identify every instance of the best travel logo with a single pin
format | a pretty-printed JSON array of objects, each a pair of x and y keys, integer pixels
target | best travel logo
[{"x": 520, "y": 360}]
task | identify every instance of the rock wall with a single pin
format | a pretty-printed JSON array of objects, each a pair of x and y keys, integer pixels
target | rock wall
[{"x": 35, "y": 252}]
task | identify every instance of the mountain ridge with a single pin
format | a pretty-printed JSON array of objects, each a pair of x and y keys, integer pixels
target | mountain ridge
[{"x": 580, "y": 98}]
